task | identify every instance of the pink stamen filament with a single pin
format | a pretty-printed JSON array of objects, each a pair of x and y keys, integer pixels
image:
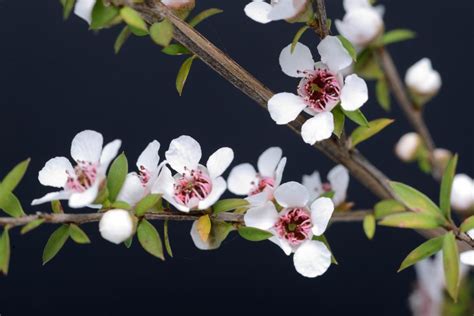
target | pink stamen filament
[
  {"x": 193, "y": 184},
  {"x": 261, "y": 184},
  {"x": 320, "y": 90},
  {"x": 85, "y": 174},
  {"x": 294, "y": 225}
]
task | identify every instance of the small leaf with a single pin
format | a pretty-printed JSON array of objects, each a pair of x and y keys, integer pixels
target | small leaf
[
  {"x": 387, "y": 207},
  {"x": 468, "y": 224},
  {"x": 150, "y": 239},
  {"x": 102, "y": 15},
  {"x": 329, "y": 194},
  {"x": 204, "y": 15},
  {"x": 383, "y": 94},
  {"x": 425, "y": 250},
  {"x": 183, "y": 74},
  {"x": 162, "y": 32},
  {"x": 356, "y": 117},
  {"x": 175, "y": 50},
  {"x": 121, "y": 205},
  {"x": 56, "y": 207},
  {"x": 78, "y": 235},
  {"x": 167, "y": 239},
  {"x": 451, "y": 264},
  {"x": 254, "y": 234},
  {"x": 5, "y": 252},
  {"x": 367, "y": 66},
  {"x": 297, "y": 37},
  {"x": 414, "y": 199},
  {"x": 116, "y": 177},
  {"x": 133, "y": 18},
  {"x": 203, "y": 227},
  {"x": 55, "y": 242},
  {"x": 137, "y": 32},
  {"x": 128, "y": 242},
  {"x": 121, "y": 38},
  {"x": 348, "y": 46},
  {"x": 446, "y": 186},
  {"x": 361, "y": 133},
  {"x": 13, "y": 178},
  {"x": 10, "y": 204},
  {"x": 68, "y": 6},
  {"x": 369, "y": 226},
  {"x": 147, "y": 203},
  {"x": 339, "y": 120},
  {"x": 229, "y": 205},
  {"x": 398, "y": 35},
  {"x": 31, "y": 225},
  {"x": 411, "y": 220}
]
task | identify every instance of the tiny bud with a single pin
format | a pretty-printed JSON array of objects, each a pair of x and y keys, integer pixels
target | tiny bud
[
  {"x": 117, "y": 226},
  {"x": 441, "y": 157},
  {"x": 462, "y": 193},
  {"x": 180, "y": 5},
  {"x": 422, "y": 81},
  {"x": 361, "y": 26},
  {"x": 407, "y": 147}
]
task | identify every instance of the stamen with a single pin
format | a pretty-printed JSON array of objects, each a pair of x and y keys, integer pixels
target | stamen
[
  {"x": 193, "y": 185},
  {"x": 294, "y": 225},
  {"x": 320, "y": 90}
]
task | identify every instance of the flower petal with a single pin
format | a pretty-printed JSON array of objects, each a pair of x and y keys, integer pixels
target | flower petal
[
  {"x": 283, "y": 244},
  {"x": 83, "y": 9},
  {"x": 260, "y": 198},
  {"x": 354, "y": 93},
  {"x": 312, "y": 259},
  {"x": 285, "y": 9},
  {"x": 294, "y": 64},
  {"x": 467, "y": 257},
  {"x": 321, "y": 212},
  {"x": 292, "y": 194},
  {"x": 462, "y": 192},
  {"x": 149, "y": 158},
  {"x": 279, "y": 171},
  {"x": 60, "y": 195},
  {"x": 355, "y": 4},
  {"x": 333, "y": 54},
  {"x": 132, "y": 190},
  {"x": 241, "y": 178},
  {"x": 218, "y": 188},
  {"x": 258, "y": 11},
  {"x": 285, "y": 107},
  {"x": 318, "y": 128},
  {"x": 55, "y": 172},
  {"x": 261, "y": 217},
  {"x": 87, "y": 146},
  {"x": 184, "y": 152},
  {"x": 314, "y": 185},
  {"x": 268, "y": 161},
  {"x": 339, "y": 179},
  {"x": 109, "y": 152},
  {"x": 83, "y": 199},
  {"x": 219, "y": 161},
  {"x": 164, "y": 184}
]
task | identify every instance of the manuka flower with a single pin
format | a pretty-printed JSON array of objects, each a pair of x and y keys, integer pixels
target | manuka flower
[
  {"x": 264, "y": 12},
  {"x": 338, "y": 182}
]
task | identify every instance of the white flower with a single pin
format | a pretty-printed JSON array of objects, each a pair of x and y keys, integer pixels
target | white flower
[
  {"x": 362, "y": 22},
  {"x": 258, "y": 186},
  {"x": 116, "y": 226},
  {"x": 264, "y": 12},
  {"x": 80, "y": 183},
  {"x": 194, "y": 186},
  {"x": 338, "y": 183},
  {"x": 407, "y": 147},
  {"x": 294, "y": 226},
  {"x": 321, "y": 88},
  {"x": 422, "y": 79},
  {"x": 138, "y": 185},
  {"x": 462, "y": 193}
]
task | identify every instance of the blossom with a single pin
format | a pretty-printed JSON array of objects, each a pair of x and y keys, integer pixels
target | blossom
[
  {"x": 407, "y": 147},
  {"x": 117, "y": 226},
  {"x": 321, "y": 88},
  {"x": 338, "y": 182},
  {"x": 462, "y": 193},
  {"x": 264, "y": 12},
  {"x": 81, "y": 183},
  {"x": 194, "y": 186},
  {"x": 258, "y": 186},
  {"x": 138, "y": 185},
  {"x": 295, "y": 225},
  {"x": 422, "y": 79},
  {"x": 362, "y": 23}
]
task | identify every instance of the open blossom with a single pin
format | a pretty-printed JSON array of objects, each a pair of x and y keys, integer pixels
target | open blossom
[
  {"x": 321, "y": 88},
  {"x": 117, "y": 226},
  {"x": 407, "y": 147},
  {"x": 295, "y": 225},
  {"x": 338, "y": 182},
  {"x": 462, "y": 193},
  {"x": 138, "y": 185},
  {"x": 82, "y": 182},
  {"x": 194, "y": 186},
  {"x": 264, "y": 12},
  {"x": 422, "y": 79},
  {"x": 258, "y": 185},
  {"x": 362, "y": 22}
]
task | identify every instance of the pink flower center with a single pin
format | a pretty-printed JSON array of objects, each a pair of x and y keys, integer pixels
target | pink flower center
[
  {"x": 294, "y": 226},
  {"x": 261, "y": 184},
  {"x": 85, "y": 174},
  {"x": 192, "y": 187},
  {"x": 320, "y": 90},
  {"x": 144, "y": 175}
]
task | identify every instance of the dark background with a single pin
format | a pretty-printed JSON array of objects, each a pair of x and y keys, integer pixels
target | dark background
[{"x": 57, "y": 79}]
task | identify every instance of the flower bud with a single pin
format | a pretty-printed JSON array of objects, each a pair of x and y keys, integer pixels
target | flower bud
[
  {"x": 117, "y": 226},
  {"x": 407, "y": 147},
  {"x": 422, "y": 81},
  {"x": 180, "y": 5},
  {"x": 462, "y": 193},
  {"x": 441, "y": 157},
  {"x": 361, "y": 26}
]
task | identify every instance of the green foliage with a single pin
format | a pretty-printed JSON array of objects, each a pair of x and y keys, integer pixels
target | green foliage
[
  {"x": 339, "y": 120},
  {"x": 56, "y": 207},
  {"x": 367, "y": 66},
  {"x": 147, "y": 203},
  {"x": 121, "y": 205},
  {"x": 128, "y": 242},
  {"x": 102, "y": 15},
  {"x": 203, "y": 16},
  {"x": 219, "y": 232},
  {"x": 388, "y": 207},
  {"x": 425, "y": 250},
  {"x": 68, "y": 6},
  {"x": 176, "y": 50},
  {"x": 397, "y": 35},
  {"x": 13, "y": 178},
  {"x": 10, "y": 204},
  {"x": 229, "y": 205},
  {"x": 5, "y": 251},
  {"x": 415, "y": 200},
  {"x": 446, "y": 186},
  {"x": 167, "y": 239},
  {"x": 162, "y": 32},
  {"x": 183, "y": 74},
  {"x": 134, "y": 20},
  {"x": 468, "y": 224},
  {"x": 362, "y": 133},
  {"x": 411, "y": 220},
  {"x": 369, "y": 226},
  {"x": 150, "y": 239},
  {"x": 55, "y": 242},
  {"x": 78, "y": 235},
  {"x": 451, "y": 264},
  {"x": 31, "y": 225},
  {"x": 117, "y": 173},
  {"x": 297, "y": 37},
  {"x": 122, "y": 38},
  {"x": 383, "y": 94},
  {"x": 254, "y": 234},
  {"x": 348, "y": 46},
  {"x": 357, "y": 117}
]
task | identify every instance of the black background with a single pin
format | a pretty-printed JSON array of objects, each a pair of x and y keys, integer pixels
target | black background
[{"x": 56, "y": 79}]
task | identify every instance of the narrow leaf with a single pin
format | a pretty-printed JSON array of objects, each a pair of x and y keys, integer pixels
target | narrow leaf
[
  {"x": 147, "y": 203},
  {"x": 10, "y": 204},
  {"x": 254, "y": 234},
  {"x": 369, "y": 226},
  {"x": 339, "y": 120},
  {"x": 204, "y": 15},
  {"x": 78, "y": 235},
  {"x": 150, "y": 239},
  {"x": 13, "y": 178},
  {"x": 297, "y": 37},
  {"x": 56, "y": 207},
  {"x": 68, "y": 6},
  {"x": 425, "y": 250},
  {"x": 31, "y": 225},
  {"x": 414, "y": 199},
  {"x": 468, "y": 224},
  {"x": 383, "y": 94},
  {"x": 133, "y": 18},
  {"x": 451, "y": 265},
  {"x": 357, "y": 117},
  {"x": 398, "y": 35},
  {"x": 387, "y": 207},
  {"x": 348, "y": 46},
  {"x": 229, "y": 205},
  {"x": 446, "y": 186},
  {"x": 55, "y": 242},
  {"x": 362, "y": 133},
  {"x": 175, "y": 50},
  {"x": 183, "y": 74},
  {"x": 167, "y": 239},
  {"x": 162, "y": 32},
  {"x": 102, "y": 15},
  {"x": 121, "y": 38},
  {"x": 128, "y": 242},
  {"x": 5, "y": 251},
  {"x": 203, "y": 227},
  {"x": 116, "y": 177},
  {"x": 411, "y": 220}
]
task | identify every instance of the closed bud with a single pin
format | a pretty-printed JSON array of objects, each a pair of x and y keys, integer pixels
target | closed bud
[
  {"x": 180, "y": 5},
  {"x": 462, "y": 193},
  {"x": 441, "y": 157},
  {"x": 117, "y": 226},
  {"x": 407, "y": 147},
  {"x": 422, "y": 81}
]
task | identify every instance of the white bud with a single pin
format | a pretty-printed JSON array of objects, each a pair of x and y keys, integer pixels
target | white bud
[
  {"x": 407, "y": 147},
  {"x": 441, "y": 156},
  {"x": 422, "y": 80},
  {"x": 361, "y": 25},
  {"x": 467, "y": 257},
  {"x": 117, "y": 226},
  {"x": 462, "y": 193},
  {"x": 180, "y": 5}
]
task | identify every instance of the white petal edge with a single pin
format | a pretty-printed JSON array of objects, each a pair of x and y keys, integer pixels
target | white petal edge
[
  {"x": 292, "y": 194},
  {"x": 55, "y": 172},
  {"x": 354, "y": 93},
  {"x": 218, "y": 188},
  {"x": 261, "y": 217},
  {"x": 321, "y": 212},
  {"x": 83, "y": 9},
  {"x": 467, "y": 257},
  {"x": 149, "y": 158},
  {"x": 219, "y": 161},
  {"x": 294, "y": 64},
  {"x": 283, "y": 244},
  {"x": 60, "y": 195},
  {"x": 285, "y": 107},
  {"x": 338, "y": 177},
  {"x": 333, "y": 54},
  {"x": 83, "y": 199},
  {"x": 258, "y": 11},
  {"x": 109, "y": 152},
  {"x": 164, "y": 184},
  {"x": 87, "y": 146},
  {"x": 268, "y": 161},
  {"x": 240, "y": 179},
  {"x": 312, "y": 259},
  {"x": 184, "y": 151},
  {"x": 132, "y": 190},
  {"x": 279, "y": 171},
  {"x": 318, "y": 128}
]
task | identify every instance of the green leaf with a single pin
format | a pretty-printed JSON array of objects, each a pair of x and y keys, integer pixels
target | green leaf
[
  {"x": 128, "y": 242},
  {"x": 102, "y": 15},
  {"x": 121, "y": 38},
  {"x": 5, "y": 251},
  {"x": 297, "y": 37},
  {"x": 388, "y": 207},
  {"x": 451, "y": 264},
  {"x": 56, "y": 207},
  {"x": 183, "y": 74},
  {"x": 137, "y": 32},
  {"x": 10, "y": 204},
  {"x": 398, "y": 35},
  {"x": 339, "y": 120},
  {"x": 203, "y": 227},
  {"x": 356, "y": 117},
  {"x": 362, "y": 133},
  {"x": 55, "y": 242},
  {"x": 121, "y": 205},
  {"x": 446, "y": 186},
  {"x": 133, "y": 18},
  {"x": 116, "y": 177},
  {"x": 414, "y": 199},
  {"x": 78, "y": 235},
  {"x": 13, "y": 178},
  {"x": 204, "y": 15},
  {"x": 167, "y": 239},
  {"x": 162, "y": 32},
  {"x": 68, "y": 6},
  {"x": 383, "y": 94},
  {"x": 329, "y": 194},
  {"x": 426, "y": 249},
  {"x": 175, "y": 50},
  {"x": 229, "y": 205},
  {"x": 254, "y": 234},
  {"x": 31, "y": 225},
  {"x": 348, "y": 46},
  {"x": 323, "y": 239},
  {"x": 411, "y": 220},
  {"x": 468, "y": 224},
  {"x": 367, "y": 65},
  {"x": 147, "y": 203},
  {"x": 369, "y": 226},
  {"x": 150, "y": 239}
]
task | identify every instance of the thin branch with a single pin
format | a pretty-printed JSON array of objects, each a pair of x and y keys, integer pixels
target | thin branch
[{"x": 322, "y": 17}]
